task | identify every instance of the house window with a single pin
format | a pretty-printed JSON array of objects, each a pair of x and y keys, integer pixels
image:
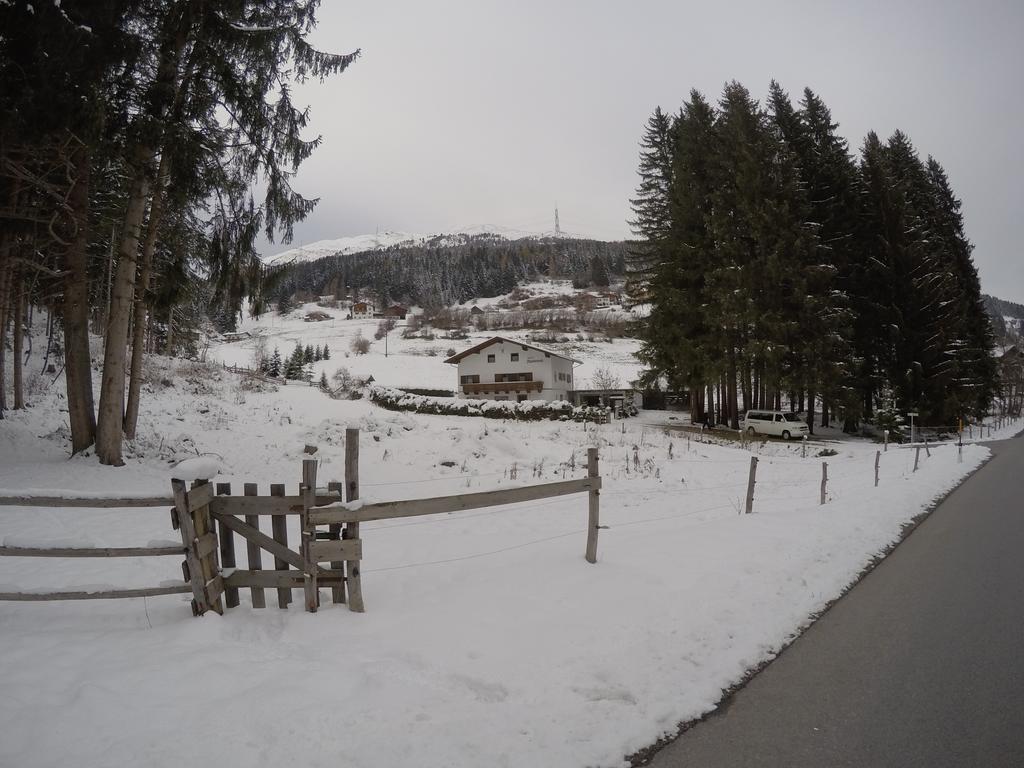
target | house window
[
  {"x": 515, "y": 357},
  {"x": 470, "y": 379},
  {"x": 501, "y": 397},
  {"x": 490, "y": 358},
  {"x": 521, "y": 398}
]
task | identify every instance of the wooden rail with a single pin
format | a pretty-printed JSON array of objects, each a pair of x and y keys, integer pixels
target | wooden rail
[
  {"x": 60, "y": 501},
  {"x": 109, "y": 594},
  {"x": 90, "y": 551},
  {"x": 203, "y": 544},
  {"x": 340, "y": 513}
]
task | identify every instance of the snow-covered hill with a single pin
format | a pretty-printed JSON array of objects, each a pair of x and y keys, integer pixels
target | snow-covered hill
[{"x": 383, "y": 240}]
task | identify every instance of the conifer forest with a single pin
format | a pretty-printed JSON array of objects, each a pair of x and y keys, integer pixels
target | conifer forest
[
  {"x": 133, "y": 133},
  {"x": 785, "y": 270}
]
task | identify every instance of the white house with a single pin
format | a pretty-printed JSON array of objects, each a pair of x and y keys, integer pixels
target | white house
[
  {"x": 362, "y": 310},
  {"x": 502, "y": 369}
]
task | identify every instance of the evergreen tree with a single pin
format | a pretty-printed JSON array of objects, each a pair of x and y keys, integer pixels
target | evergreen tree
[
  {"x": 317, "y": 354},
  {"x": 323, "y": 382},
  {"x": 308, "y": 354},
  {"x": 274, "y": 364},
  {"x": 678, "y": 338},
  {"x": 326, "y": 352},
  {"x": 652, "y": 219}
]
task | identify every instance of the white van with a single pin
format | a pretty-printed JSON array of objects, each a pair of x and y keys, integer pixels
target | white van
[{"x": 775, "y": 423}]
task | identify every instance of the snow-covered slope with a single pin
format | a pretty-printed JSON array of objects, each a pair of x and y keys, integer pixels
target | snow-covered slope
[{"x": 383, "y": 240}]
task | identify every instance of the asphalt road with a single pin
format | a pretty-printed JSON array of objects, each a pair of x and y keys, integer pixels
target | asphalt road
[{"x": 920, "y": 664}]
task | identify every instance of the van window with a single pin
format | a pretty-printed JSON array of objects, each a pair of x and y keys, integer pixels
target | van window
[{"x": 778, "y": 417}]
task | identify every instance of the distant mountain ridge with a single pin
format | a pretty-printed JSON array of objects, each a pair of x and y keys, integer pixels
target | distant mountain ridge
[
  {"x": 382, "y": 241},
  {"x": 1007, "y": 318}
]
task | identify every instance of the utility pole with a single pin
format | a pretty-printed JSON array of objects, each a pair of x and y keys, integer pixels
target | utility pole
[{"x": 558, "y": 227}]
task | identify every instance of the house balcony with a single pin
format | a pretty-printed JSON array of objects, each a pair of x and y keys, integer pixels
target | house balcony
[{"x": 501, "y": 387}]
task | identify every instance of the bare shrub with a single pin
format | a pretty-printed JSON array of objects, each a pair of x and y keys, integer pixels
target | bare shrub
[
  {"x": 359, "y": 345},
  {"x": 604, "y": 378}
]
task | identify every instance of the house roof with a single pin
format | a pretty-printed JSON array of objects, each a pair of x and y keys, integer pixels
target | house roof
[{"x": 499, "y": 340}]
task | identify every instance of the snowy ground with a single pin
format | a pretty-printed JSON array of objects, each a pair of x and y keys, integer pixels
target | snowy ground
[
  {"x": 488, "y": 640},
  {"x": 402, "y": 362}
]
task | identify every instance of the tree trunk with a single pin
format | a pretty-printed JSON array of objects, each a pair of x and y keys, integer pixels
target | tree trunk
[
  {"x": 810, "y": 410},
  {"x": 824, "y": 413},
  {"x": 111, "y": 414},
  {"x": 749, "y": 390},
  {"x": 141, "y": 310},
  {"x": 18, "y": 330},
  {"x": 75, "y": 312},
  {"x": 6, "y": 275},
  {"x": 731, "y": 390}
]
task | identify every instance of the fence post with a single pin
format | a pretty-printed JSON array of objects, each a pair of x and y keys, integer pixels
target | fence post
[
  {"x": 337, "y": 591},
  {"x": 202, "y": 522},
  {"x": 252, "y": 550},
  {"x": 279, "y": 526},
  {"x": 803, "y": 447},
  {"x": 191, "y": 568},
  {"x": 917, "y": 456},
  {"x": 227, "y": 549},
  {"x": 352, "y": 567},
  {"x": 878, "y": 458},
  {"x": 750, "y": 484},
  {"x": 960, "y": 450},
  {"x": 885, "y": 440},
  {"x": 926, "y": 451},
  {"x": 824, "y": 479},
  {"x": 308, "y": 532},
  {"x": 594, "y": 521}
]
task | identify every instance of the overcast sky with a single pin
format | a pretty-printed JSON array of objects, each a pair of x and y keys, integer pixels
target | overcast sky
[{"x": 487, "y": 112}]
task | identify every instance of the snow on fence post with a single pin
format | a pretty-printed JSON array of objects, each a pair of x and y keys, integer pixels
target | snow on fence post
[
  {"x": 960, "y": 450},
  {"x": 878, "y": 458},
  {"x": 308, "y": 533},
  {"x": 192, "y": 568},
  {"x": 252, "y": 550},
  {"x": 824, "y": 480},
  {"x": 803, "y": 447},
  {"x": 917, "y": 456},
  {"x": 750, "y": 484},
  {"x": 227, "y": 549},
  {"x": 594, "y": 494},
  {"x": 352, "y": 567},
  {"x": 338, "y": 590},
  {"x": 885, "y": 440},
  {"x": 279, "y": 528},
  {"x": 927, "y": 452}
]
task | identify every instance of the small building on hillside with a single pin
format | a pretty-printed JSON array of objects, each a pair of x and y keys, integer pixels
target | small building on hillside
[
  {"x": 619, "y": 400},
  {"x": 607, "y": 299},
  {"x": 362, "y": 310},
  {"x": 475, "y": 310},
  {"x": 396, "y": 311},
  {"x": 503, "y": 369}
]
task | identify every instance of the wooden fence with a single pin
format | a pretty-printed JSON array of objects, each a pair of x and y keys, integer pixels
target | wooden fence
[
  {"x": 209, "y": 518},
  {"x": 92, "y": 503}
]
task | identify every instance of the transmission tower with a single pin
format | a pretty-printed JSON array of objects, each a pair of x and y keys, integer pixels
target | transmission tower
[{"x": 558, "y": 228}]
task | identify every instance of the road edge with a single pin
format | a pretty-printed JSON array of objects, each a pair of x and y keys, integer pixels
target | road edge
[{"x": 645, "y": 755}]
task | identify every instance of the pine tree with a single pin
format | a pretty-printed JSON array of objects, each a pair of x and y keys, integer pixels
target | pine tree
[
  {"x": 307, "y": 354},
  {"x": 317, "y": 354},
  {"x": 817, "y": 178},
  {"x": 652, "y": 218},
  {"x": 323, "y": 382},
  {"x": 274, "y": 364},
  {"x": 326, "y": 352},
  {"x": 679, "y": 340}
]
